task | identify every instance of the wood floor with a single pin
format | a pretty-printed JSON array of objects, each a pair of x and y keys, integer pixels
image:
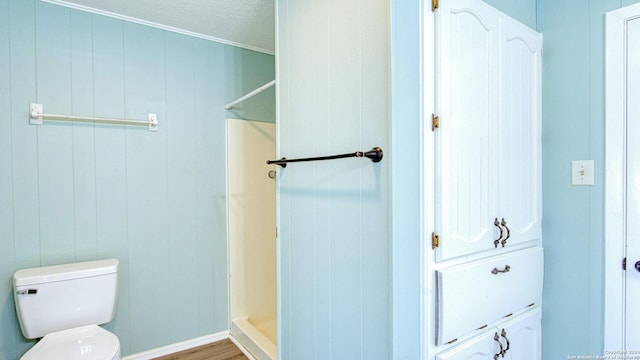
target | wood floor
[{"x": 221, "y": 350}]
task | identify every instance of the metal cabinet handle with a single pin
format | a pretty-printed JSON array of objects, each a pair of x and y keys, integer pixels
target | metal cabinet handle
[
  {"x": 504, "y": 223},
  {"x": 497, "y": 339},
  {"x": 495, "y": 271},
  {"x": 504, "y": 335},
  {"x": 497, "y": 241}
]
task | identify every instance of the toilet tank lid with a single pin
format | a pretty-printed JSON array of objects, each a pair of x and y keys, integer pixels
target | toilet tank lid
[{"x": 47, "y": 274}]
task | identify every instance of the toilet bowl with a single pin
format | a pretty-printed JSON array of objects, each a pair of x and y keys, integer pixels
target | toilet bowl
[{"x": 64, "y": 306}]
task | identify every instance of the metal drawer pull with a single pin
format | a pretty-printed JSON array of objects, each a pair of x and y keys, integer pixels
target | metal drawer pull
[
  {"x": 497, "y": 339},
  {"x": 504, "y": 335},
  {"x": 495, "y": 271},
  {"x": 497, "y": 241},
  {"x": 504, "y": 241}
]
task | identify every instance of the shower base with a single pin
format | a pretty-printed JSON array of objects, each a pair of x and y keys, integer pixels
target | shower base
[{"x": 258, "y": 339}]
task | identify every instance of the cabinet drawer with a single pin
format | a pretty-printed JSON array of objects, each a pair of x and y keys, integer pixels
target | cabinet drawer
[
  {"x": 472, "y": 295},
  {"x": 517, "y": 339}
]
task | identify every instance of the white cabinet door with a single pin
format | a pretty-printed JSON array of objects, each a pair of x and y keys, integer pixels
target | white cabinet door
[
  {"x": 467, "y": 34},
  {"x": 520, "y": 132},
  {"x": 487, "y": 146},
  {"x": 521, "y": 337}
]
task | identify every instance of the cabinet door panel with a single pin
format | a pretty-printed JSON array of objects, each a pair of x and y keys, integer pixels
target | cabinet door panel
[
  {"x": 520, "y": 132},
  {"x": 472, "y": 295},
  {"x": 466, "y": 141},
  {"x": 524, "y": 335},
  {"x": 483, "y": 347}
]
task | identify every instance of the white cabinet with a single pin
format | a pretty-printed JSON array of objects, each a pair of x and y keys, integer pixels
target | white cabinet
[
  {"x": 516, "y": 339},
  {"x": 487, "y": 146},
  {"x": 485, "y": 274}
]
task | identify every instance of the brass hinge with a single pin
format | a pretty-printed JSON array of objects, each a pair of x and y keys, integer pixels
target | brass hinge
[
  {"x": 435, "y": 122},
  {"x": 434, "y": 5},
  {"x": 435, "y": 241}
]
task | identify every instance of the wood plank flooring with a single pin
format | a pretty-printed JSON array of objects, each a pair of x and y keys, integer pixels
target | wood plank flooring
[{"x": 221, "y": 350}]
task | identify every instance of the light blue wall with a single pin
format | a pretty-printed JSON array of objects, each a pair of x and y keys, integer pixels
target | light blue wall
[
  {"x": 524, "y": 11},
  {"x": 406, "y": 173},
  {"x": 156, "y": 201},
  {"x": 334, "y": 233},
  {"x": 573, "y": 129}
]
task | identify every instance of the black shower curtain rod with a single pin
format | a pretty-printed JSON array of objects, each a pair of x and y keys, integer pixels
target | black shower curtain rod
[{"x": 374, "y": 154}]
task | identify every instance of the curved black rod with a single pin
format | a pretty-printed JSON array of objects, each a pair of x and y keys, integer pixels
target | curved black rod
[{"x": 374, "y": 154}]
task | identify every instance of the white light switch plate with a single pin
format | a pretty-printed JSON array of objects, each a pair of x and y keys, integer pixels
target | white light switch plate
[{"x": 582, "y": 172}]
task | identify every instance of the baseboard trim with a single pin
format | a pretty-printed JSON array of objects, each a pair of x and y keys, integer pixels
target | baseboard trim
[{"x": 177, "y": 347}]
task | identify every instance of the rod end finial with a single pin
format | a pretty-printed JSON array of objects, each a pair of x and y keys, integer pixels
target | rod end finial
[{"x": 374, "y": 154}]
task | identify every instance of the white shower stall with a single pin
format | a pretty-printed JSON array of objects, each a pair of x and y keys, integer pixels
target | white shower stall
[{"x": 251, "y": 209}]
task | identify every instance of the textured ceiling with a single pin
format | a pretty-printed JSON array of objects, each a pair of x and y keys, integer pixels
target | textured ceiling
[{"x": 247, "y": 23}]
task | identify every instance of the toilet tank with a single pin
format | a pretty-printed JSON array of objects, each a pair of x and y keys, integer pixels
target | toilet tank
[{"x": 61, "y": 297}]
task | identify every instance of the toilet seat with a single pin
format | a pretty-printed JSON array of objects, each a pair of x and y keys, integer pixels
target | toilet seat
[{"x": 82, "y": 343}]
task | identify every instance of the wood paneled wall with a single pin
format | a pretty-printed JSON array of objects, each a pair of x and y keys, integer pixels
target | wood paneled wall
[
  {"x": 154, "y": 200},
  {"x": 334, "y": 216}
]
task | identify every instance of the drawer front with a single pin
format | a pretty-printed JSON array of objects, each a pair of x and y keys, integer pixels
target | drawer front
[
  {"x": 483, "y": 347},
  {"x": 472, "y": 295},
  {"x": 519, "y": 339}
]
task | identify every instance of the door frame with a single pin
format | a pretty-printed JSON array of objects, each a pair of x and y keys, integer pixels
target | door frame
[{"x": 615, "y": 173}]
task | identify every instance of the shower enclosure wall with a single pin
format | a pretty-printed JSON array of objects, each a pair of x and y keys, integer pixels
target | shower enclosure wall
[{"x": 251, "y": 209}]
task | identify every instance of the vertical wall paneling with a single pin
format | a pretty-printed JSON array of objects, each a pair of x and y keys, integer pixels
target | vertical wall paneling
[
  {"x": 146, "y": 171},
  {"x": 374, "y": 108},
  {"x": 303, "y": 263},
  {"x": 55, "y": 149},
  {"x": 573, "y": 216},
  {"x": 181, "y": 166},
  {"x": 81, "y": 191},
  {"x": 110, "y": 171},
  {"x": 25, "y": 158},
  {"x": 83, "y": 135},
  {"x": 334, "y": 233},
  {"x": 566, "y": 223},
  {"x": 209, "y": 135},
  {"x": 344, "y": 121},
  {"x": 26, "y": 224},
  {"x": 323, "y": 227},
  {"x": 7, "y": 315},
  {"x": 597, "y": 153}
]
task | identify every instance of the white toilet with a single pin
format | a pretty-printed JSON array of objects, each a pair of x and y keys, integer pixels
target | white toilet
[{"x": 63, "y": 305}]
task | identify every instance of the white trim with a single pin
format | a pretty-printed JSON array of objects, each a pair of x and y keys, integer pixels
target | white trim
[
  {"x": 156, "y": 25},
  {"x": 427, "y": 163},
  {"x": 177, "y": 347},
  {"x": 615, "y": 164}
]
